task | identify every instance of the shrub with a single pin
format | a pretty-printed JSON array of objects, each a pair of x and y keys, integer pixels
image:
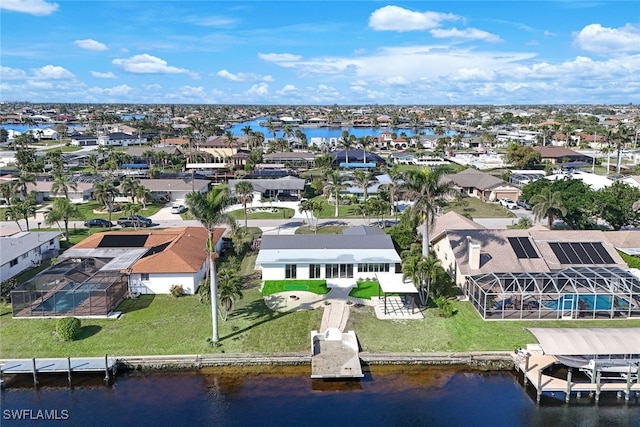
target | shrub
[
  {"x": 445, "y": 306},
  {"x": 67, "y": 328},
  {"x": 176, "y": 291},
  {"x": 6, "y": 286}
]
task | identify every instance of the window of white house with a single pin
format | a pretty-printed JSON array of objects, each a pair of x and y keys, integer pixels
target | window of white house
[
  {"x": 13, "y": 262},
  {"x": 373, "y": 268},
  {"x": 144, "y": 277},
  {"x": 24, "y": 256},
  {"x": 290, "y": 271},
  {"x": 314, "y": 271}
]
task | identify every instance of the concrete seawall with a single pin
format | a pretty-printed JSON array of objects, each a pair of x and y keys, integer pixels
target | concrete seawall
[{"x": 476, "y": 360}]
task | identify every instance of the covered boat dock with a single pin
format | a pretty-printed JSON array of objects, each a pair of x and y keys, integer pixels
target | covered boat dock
[{"x": 607, "y": 357}]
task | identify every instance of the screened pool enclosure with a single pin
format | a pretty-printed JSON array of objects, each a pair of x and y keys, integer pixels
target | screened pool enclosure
[
  {"x": 73, "y": 287},
  {"x": 571, "y": 293}
]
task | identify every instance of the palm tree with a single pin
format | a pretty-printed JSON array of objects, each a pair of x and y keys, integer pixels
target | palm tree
[
  {"x": 422, "y": 271},
  {"x": 22, "y": 210},
  {"x": 244, "y": 190},
  {"x": 334, "y": 186},
  {"x": 129, "y": 187},
  {"x": 62, "y": 209},
  {"x": 62, "y": 184},
  {"x": 428, "y": 191},
  {"x": 209, "y": 210},
  {"x": 348, "y": 141},
  {"x": 365, "y": 141},
  {"x": 229, "y": 139},
  {"x": 105, "y": 192},
  {"x": 142, "y": 195},
  {"x": 548, "y": 204},
  {"x": 93, "y": 162},
  {"x": 6, "y": 191},
  {"x": 394, "y": 184},
  {"x": 229, "y": 288},
  {"x": 21, "y": 183},
  {"x": 362, "y": 180},
  {"x": 312, "y": 209}
]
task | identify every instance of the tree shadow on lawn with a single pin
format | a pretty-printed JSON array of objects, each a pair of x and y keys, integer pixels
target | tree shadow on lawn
[
  {"x": 257, "y": 313},
  {"x": 87, "y": 331},
  {"x": 133, "y": 304}
]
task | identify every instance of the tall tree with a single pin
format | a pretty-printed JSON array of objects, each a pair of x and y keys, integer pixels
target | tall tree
[
  {"x": 362, "y": 179},
  {"x": 548, "y": 204},
  {"x": 22, "y": 182},
  {"x": 105, "y": 192},
  {"x": 142, "y": 195},
  {"x": 333, "y": 186},
  {"x": 129, "y": 187},
  {"x": 422, "y": 271},
  {"x": 209, "y": 210},
  {"x": 429, "y": 192},
  {"x": 62, "y": 210},
  {"x": 615, "y": 205},
  {"x": 312, "y": 209},
  {"x": 62, "y": 184},
  {"x": 348, "y": 141},
  {"x": 229, "y": 288},
  {"x": 244, "y": 190}
]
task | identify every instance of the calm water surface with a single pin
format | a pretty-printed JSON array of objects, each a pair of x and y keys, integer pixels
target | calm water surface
[{"x": 286, "y": 396}]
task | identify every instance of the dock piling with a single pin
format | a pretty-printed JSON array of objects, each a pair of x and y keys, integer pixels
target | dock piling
[
  {"x": 69, "y": 369},
  {"x": 35, "y": 375},
  {"x": 539, "y": 391},
  {"x": 526, "y": 367},
  {"x": 598, "y": 385},
  {"x": 106, "y": 368},
  {"x": 568, "y": 393}
]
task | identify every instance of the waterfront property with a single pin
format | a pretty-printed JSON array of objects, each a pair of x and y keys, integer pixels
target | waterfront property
[
  {"x": 25, "y": 250},
  {"x": 604, "y": 360},
  {"x": 283, "y": 188},
  {"x": 96, "y": 274},
  {"x": 486, "y": 187},
  {"x": 359, "y": 252},
  {"x": 537, "y": 273}
]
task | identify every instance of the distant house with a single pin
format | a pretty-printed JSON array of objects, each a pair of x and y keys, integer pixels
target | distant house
[
  {"x": 359, "y": 252},
  {"x": 82, "y": 192},
  {"x": 486, "y": 187},
  {"x": 174, "y": 189},
  {"x": 84, "y": 140},
  {"x": 120, "y": 139},
  {"x": 24, "y": 250},
  {"x": 557, "y": 155},
  {"x": 295, "y": 159},
  {"x": 287, "y": 187}
]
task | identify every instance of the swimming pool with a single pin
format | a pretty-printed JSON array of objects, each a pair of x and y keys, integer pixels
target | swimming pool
[
  {"x": 67, "y": 298},
  {"x": 586, "y": 302}
]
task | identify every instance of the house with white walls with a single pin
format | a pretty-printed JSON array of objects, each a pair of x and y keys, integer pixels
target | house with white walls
[
  {"x": 359, "y": 253},
  {"x": 24, "y": 250}
]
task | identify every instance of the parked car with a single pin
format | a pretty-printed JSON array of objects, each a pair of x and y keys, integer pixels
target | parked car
[
  {"x": 135, "y": 221},
  {"x": 98, "y": 222},
  {"x": 508, "y": 204},
  {"x": 178, "y": 209},
  {"x": 523, "y": 204}
]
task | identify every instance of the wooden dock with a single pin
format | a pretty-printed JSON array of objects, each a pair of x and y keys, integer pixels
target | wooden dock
[
  {"x": 67, "y": 365},
  {"x": 533, "y": 367}
]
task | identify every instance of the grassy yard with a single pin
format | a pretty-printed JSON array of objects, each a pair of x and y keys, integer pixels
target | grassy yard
[
  {"x": 316, "y": 286},
  {"x": 279, "y": 213},
  {"x": 465, "y": 331},
  {"x": 329, "y": 210},
  {"x": 366, "y": 290},
  {"x": 87, "y": 210},
  {"x": 479, "y": 209},
  {"x": 328, "y": 229}
]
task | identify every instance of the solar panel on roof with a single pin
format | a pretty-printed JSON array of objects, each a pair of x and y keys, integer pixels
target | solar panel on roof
[
  {"x": 581, "y": 253},
  {"x": 604, "y": 254},
  {"x": 123, "y": 241},
  {"x": 523, "y": 247}
]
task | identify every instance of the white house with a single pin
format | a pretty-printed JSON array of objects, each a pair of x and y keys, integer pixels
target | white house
[
  {"x": 153, "y": 261},
  {"x": 24, "y": 250},
  {"x": 359, "y": 253},
  {"x": 84, "y": 140},
  {"x": 120, "y": 139}
]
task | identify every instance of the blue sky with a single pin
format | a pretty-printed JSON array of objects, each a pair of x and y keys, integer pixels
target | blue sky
[{"x": 326, "y": 52}]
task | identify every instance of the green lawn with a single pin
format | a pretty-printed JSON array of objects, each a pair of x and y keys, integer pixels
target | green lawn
[
  {"x": 316, "y": 286},
  {"x": 479, "y": 209},
  {"x": 465, "y": 331},
  {"x": 329, "y": 210},
  {"x": 278, "y": 214},
  {"x": 87, "y": 210},
  {"x": 328, "y": 229},
  {"x": 366, "y": 290}
]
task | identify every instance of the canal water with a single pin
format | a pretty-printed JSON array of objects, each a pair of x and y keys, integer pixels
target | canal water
[{"x": 286, "y": 396}]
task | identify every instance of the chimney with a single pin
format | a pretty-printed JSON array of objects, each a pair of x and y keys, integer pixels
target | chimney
[{"x": 473, "y": 253}]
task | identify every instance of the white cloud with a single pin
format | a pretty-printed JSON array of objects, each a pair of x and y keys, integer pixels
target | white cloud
[
  {"x": 467, "y": 34},
  {"x": 90, "y": 44},
  {"x": 243, "y": 77},
  {"x": 288, "y": 88},
  {"x": 52, "y": 72},
  {"x": 260, "y": 89},
  {"x": 214, "y": 21},
  {"x": 193, "y": 91},
  {"x": 101, "y": 75},
  {"x": 32, "y": 7},
  {"x": 279, "y": 57},
  {"x": 397, "y": 80},
  {"x": 394, "y": 18},
  {"x": 7, "y": 73},
  {"x": 147, "y": 64},
  {"x": 599, "y": 39}
]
